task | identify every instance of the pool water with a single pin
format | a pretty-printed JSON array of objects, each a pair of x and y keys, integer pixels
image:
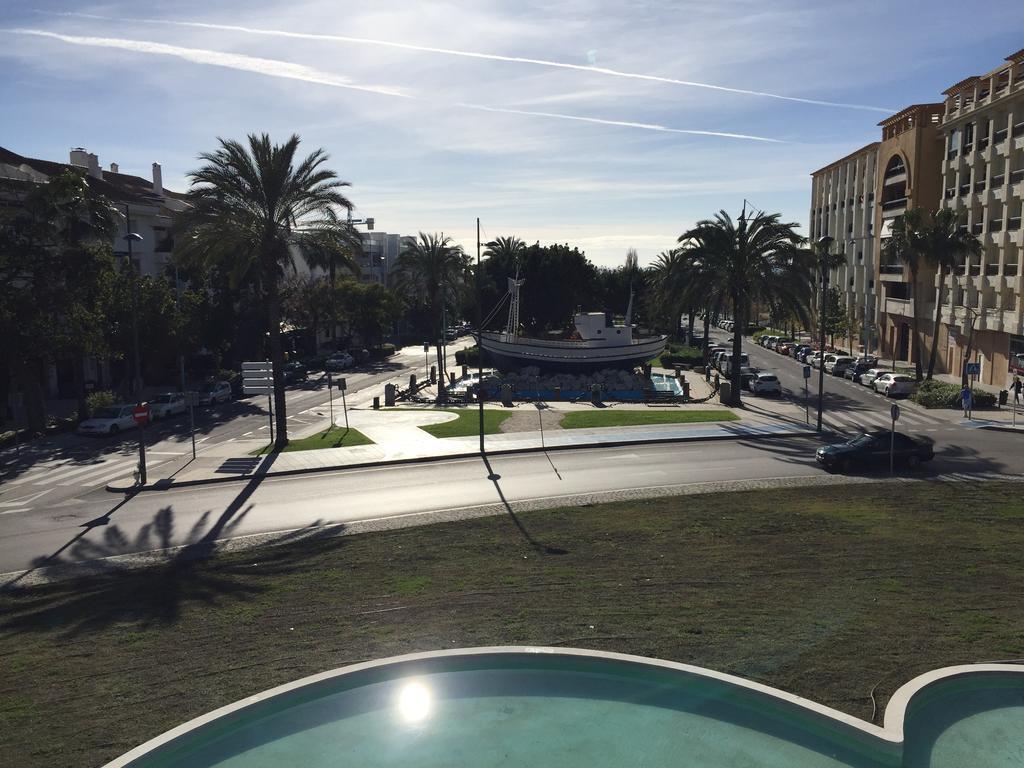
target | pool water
[{"x": 494, "y": 707}]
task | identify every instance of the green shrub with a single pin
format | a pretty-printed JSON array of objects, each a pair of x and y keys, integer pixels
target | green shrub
[
  {"x": 467, "y": 356},
  {"x": 96, "y": 400},
  {"x": 942, "y": 394}
]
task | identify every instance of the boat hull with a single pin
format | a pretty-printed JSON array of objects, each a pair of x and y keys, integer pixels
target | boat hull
[{"x": 573, "y": 357}]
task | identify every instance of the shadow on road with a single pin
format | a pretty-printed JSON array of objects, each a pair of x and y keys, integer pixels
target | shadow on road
[{"x": 542, "y": 548}]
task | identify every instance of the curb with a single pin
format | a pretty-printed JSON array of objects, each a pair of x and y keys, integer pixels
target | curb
[
  {"x": 165, "y": 485},
  {"x": 1003, "y": 428}
]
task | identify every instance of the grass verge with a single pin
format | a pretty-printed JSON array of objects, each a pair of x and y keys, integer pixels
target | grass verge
[
  {"x": 821, "y": 593},
  {"x": 468, "y": 423},
  {"x": 625, "y": 418},
  {"x": 334, "y": 437}
]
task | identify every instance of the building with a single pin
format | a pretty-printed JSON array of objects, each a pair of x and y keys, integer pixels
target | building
[
  {"x": 380, "y": 255},
  {"x": 145, "y": 201},
  {"x": 983, "y": 181},
  {"x": 967, "y": 154},
  {"x": 843, "y": 208}
]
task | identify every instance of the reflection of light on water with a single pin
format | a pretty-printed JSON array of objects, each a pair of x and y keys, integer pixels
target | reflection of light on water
[{"x": 414, "y": 702}]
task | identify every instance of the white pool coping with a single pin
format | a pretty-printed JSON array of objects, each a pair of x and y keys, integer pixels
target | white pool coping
[{"x": 888, "y": 736}]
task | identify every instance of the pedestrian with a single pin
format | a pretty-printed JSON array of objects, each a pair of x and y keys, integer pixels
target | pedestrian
[
  {"x": 965, "y": 398},
  {"x": 1016, "y": 386}
]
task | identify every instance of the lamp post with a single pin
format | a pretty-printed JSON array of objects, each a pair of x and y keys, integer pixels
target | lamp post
[
  {"x": 133, "y": 237},
  {"x": 823, "y": 247},
  {"x": 181, "y": 365},
  {"x": 479, "y": 346}
]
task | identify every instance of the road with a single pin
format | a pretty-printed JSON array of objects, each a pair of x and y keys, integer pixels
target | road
[{"x": 67, "y": 466}]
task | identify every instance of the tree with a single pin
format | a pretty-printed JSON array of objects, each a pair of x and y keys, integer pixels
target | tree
[
  {"x": 835, "y": 315},
  {"x": 757, "y": 259},
  {"x": 907, "y": 245},
  {"x": 431, "y": 272},
  {"x": 506, "y": 249},
  {"x": 947, "y": 245},
  {"x": 252, "y": 209},
  {"x": 56, "y": 277},
  {"x": 668, "y": 293}
]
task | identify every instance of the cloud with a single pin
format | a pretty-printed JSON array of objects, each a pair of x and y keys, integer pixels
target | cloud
[
  {"x": 293, "y": 71},
  {"x": 591, "y": 55}
]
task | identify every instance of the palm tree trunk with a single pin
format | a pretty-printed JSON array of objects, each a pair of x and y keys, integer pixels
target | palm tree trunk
[
  {"x": 737, "y": 348},
  {"x": 918, "y": 374},
  {"x": 277, "y": 361},
  {"x": 707, "y": 332},
  {"x": 938, "y": 319}
]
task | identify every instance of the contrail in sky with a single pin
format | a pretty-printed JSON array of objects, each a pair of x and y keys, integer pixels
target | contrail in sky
[
  {"x": 292, "y": 71},
  {"x": 479, "y": 55}
]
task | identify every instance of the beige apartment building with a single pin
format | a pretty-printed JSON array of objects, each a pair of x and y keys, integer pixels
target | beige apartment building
[{"x": 966, "y": 153}]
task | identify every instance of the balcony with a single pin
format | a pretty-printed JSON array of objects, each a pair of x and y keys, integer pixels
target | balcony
[
  {"x": 976, "y": 228},
  {"x": 1010, "y": 270},
  {"x": 992, "y": 270},
  {"x": 998, "y": 181},
  {"x": 890, "y": 269},
  {"x": 953, "y": 153},
  {"x": 982, "y": 144},
  {"x": 1000, "y": 136},
  {"x": 965, "y": 189},
  {"x": 1018, "y": 129},
  {"x": 1017, "y": 176},
  {"x": 1013, "y": 224},
  {"x": 950, "y": 193}
]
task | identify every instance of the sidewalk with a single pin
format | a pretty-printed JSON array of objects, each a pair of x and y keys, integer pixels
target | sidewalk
[{"x": 398, "y": 439}]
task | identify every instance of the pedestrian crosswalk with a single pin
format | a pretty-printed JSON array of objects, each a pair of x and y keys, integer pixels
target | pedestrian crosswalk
[
  {"x": 70, "y": 473},
  {"x": 850, "y": 421}
]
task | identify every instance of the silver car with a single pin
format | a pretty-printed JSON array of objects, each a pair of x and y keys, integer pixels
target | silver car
[
  {"x": 868, "y": 377},
  {"x": 167, "y": 404},
  {"x": 109, "y": 421},
  {"x": 891, "y": 384}
]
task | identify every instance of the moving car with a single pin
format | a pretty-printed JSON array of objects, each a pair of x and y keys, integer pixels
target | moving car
[
  {"x": 838, "y": 365},
  {"x": 890, "y": 384},
  {"x": 854, "y": 372},
  {"x": 108, "y": 421},
  {"x": 872, "y": 448},
  {"x": 868, "y": 377},
  {"x": 215, "y": 392},
  {"x": 339, "y": 361},
  {"x": 295, "y": 372},
  {"x": 167, "y": 404},
  {"x": 747, "y": 375},
  {"x": 766, "y": 384}
]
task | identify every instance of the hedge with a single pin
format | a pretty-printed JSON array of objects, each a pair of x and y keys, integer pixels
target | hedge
[{"x": 942, "y": 394}]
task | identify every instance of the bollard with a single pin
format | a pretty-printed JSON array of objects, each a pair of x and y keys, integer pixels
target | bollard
[
  {"x": 389, "y": 395},
  {"x": 506, "y": 395},
  {"x": 465, "y": 371},
  {"x": 679, "y": 370},
  {"x": 595, "y": 394},
  {"x": 376, "y": 402},
  {"x": 686, "y": 389},
  {"x": 412, "y": 383},
  {"x": 433, "y": 374},
  {"x": 451, "y": 378},
  {"x": 558, "y": 393}
]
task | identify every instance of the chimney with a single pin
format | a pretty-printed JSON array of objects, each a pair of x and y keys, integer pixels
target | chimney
[
  {"x": 113, "y": 168},
  {"x": 94, "y": 167},
  {"x": 158, "y": 179},
  {"x": 79, "y": 158}
]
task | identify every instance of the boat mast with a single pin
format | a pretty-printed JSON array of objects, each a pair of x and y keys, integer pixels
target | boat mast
[{"x": 512, "y": 327}]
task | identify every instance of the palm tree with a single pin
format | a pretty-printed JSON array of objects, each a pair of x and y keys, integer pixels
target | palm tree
[
  {"x": 251, "y": 211},
  {"x": 907, "y": 245},
  {"x": 505, "y": 249},
  {"x": 431, "y": 272},
  {"x": 757, "y": 259},
  {"x": 947, "y": 245},
  {"x": 666, "y": 275}
]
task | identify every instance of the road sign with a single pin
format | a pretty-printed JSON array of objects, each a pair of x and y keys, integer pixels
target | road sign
[
  {"x": 807, "y": 371},
  {"x": 141, "y": 414},
  {"x": 895, "y": 412},
  {"x": 973, "y": 369},
  {"x": 342, "y": 385},
  {"x": 426, "y": 346},
  {"x": 257, "y": 378}
]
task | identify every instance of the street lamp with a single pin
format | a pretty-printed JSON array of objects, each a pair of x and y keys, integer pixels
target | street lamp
[
  {"x": 823, "y": 246},
  {"x": 133, "y": 237}
]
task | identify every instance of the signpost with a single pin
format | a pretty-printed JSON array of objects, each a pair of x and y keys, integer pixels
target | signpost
[
  {"x": 894, "y": 411},
  {"x": 807, "y": 399},
  {"x": 330, "y": 397},
  {"x": 258, "y": 379},
  {"x": 426, "y": 361},
  {"x": 343, "y": 385},
  {"x": 974, "y": 371},
  {"x": 140, "y": 413}
]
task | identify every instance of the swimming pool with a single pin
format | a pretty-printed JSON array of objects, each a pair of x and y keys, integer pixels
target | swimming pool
[{"x": 557, "y": 707}]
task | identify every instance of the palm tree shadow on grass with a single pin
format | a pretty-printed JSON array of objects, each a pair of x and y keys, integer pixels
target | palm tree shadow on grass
[{"x": 185, "y": 572}]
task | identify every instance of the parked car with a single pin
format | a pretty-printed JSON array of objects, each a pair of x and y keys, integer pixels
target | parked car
[
  {"x": 772, "y": 341},
  {"x": 783, "y": 347},
  {"x": 766, "y": 384},
  {"x": 814, "y": 359},
  {"x": 890, "y": 384},
  {"x": 796, "y": 349},
  {"x": 339, "y": 361},
  {"x": 725, "y": 362},
  {"x": 868, "y": 377},
  {"x": 167, "y": 404},
  {"x": 855, "y": 371},
  {"x": 215, "y": 392},
  {"x": 872, "y": 448},
  {"x": 747, "y": 375},
  {"x": 294, "y": 372},
  {"x": 712, "y": 351},
  {"x": 108, "y": 421},
  {"x": 838, "y": 365},
  {"x": 716, "y": 359}
]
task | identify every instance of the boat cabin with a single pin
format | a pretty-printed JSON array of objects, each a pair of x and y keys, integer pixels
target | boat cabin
[{"x": 598, "y": 326}]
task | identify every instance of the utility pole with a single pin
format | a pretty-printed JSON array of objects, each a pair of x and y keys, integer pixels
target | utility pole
[
  {"x": 181, "y": 366},
  {"x": 132, "y": 237},
  {"x": 823, "y": 245}
]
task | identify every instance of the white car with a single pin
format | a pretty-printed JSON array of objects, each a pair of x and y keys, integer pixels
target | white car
[
  {"x": 338, "y": 362},
  {"x": 108, "y": 421},
  {"x": 766, "y": 384},
  {"x": 838, "y": 364},
  {"x": 814, "y": 360},
  {"x": 891, "y": 384},
  {"x": 868, "y": 377},
  {"x": 167, "y": 404},
  {"x": 215, "y": 392}
]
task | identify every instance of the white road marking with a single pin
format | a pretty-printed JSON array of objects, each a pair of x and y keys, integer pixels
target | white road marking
[
  {"x": 247, "y": 434},
  {"x": 25, "y": 499},
  {"x": 14, "y": 511}
]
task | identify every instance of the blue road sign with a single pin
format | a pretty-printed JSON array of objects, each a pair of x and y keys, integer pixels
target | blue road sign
[
  {"x": 807, "y": 371},
  {"x": 974, "y": 369}
]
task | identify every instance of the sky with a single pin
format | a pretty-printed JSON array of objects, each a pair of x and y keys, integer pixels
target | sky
[{"x": 603, "y": 124}]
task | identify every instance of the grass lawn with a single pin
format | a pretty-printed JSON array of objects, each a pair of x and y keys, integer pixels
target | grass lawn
[
  {"x": 821, "y": 592},
  {"x": 334, "y": 437},
  {"x": 468, "y": 423},
  {"x": 624, "y": 418}
]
